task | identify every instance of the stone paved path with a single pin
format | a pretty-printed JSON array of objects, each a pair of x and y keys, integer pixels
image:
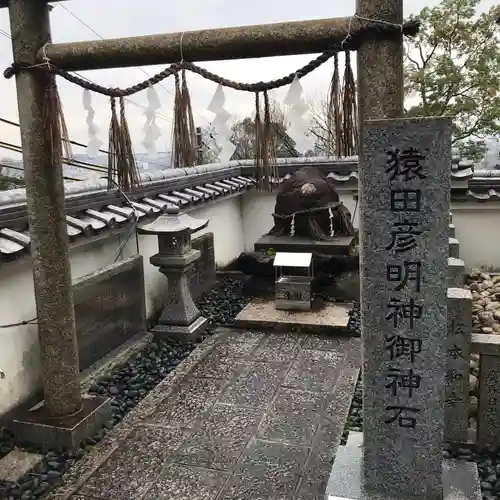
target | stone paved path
[{"x": 246, "y": 416}]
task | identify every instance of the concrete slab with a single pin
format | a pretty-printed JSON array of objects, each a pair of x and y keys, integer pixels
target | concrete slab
[
  {"x": 460, "y": 479},
  {"x": 330, "y": 319},
  {"x": 16, "y": 464}
]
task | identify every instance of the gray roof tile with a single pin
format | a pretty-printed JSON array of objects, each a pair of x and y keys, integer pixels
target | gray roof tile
[{"x": 91, "y": 221}]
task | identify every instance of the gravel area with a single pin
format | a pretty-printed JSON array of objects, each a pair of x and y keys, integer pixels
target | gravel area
[
  {"x": 127, "y": 384},
  {"x": 485, "y": 290}
]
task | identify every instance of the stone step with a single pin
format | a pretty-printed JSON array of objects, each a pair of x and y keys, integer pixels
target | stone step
[
  {"x": 451, "y": 230},
  {"x": 330, "y": 318},
  {"x": 454, "y": 246}
]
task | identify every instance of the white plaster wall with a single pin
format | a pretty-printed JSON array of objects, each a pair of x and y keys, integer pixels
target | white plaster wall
[
  {"x": 478, "y": 231},
  {"x": 19, "y": 349},
  {"x": 257, "y": 209}
]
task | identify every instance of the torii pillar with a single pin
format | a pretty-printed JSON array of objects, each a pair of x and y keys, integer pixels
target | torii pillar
[{"x": 64, "y": 419}]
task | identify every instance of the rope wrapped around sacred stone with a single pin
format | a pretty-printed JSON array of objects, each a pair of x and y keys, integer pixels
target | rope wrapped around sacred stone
[{"x": 331, "y": 206}]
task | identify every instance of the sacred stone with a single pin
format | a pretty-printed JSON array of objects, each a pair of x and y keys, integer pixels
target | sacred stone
[
  {"x": 404, "y": 205},
  {"x": 457, "y": 365},
  {"x": 307, "y": 205}
]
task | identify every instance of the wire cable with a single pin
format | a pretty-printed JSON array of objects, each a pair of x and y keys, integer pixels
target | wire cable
[
  {"x": 138, "y": 67},
  {"x": 160, "y": 115}
]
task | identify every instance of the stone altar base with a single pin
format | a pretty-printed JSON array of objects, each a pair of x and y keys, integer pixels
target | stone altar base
[
  {"x": 33, "y": 425},
  {"x": 327, "y": 318},
  {"x": 460, "y": 479},
  {"x": 339, "y": 246},
  {"x": 186, "y": 334}
]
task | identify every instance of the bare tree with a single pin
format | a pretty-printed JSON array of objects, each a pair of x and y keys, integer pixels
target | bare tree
[{"x": 321, "y": 128}]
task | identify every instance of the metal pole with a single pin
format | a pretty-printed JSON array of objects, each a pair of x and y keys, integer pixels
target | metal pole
[
  {"x": 30, "y": 28},
  {"x": 242, "y": 42}
]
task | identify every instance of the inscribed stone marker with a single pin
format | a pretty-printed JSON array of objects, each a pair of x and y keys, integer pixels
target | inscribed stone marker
[
  {"x": 488, "y": 426},
  {"x": 456, "y": 272},
  {"x": 404, "y": 206},
  {"x": 457, "y": 365}
]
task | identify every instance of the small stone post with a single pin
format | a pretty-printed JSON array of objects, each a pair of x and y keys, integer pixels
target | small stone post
[
  {"x": 180, "y": 318},
  {"x": 488, "y": 424},
  {"x": 456, "y": 272},
  {"x": 456, "y": 393},
  {"x": 30, "y": 27},
  {"x": 454, "y": 248},
  {"x": 457, "y": 365}
]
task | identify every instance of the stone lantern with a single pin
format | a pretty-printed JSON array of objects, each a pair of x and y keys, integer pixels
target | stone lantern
[{"x": 175, "y": 258}]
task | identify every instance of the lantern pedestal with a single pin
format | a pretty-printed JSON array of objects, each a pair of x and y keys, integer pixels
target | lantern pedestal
[
  {"x": 180, "y": 318},
  {"x": 187, "y": 333}
]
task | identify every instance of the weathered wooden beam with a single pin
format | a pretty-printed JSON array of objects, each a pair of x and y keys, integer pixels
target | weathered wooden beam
[{"x": 243, "y": 42}]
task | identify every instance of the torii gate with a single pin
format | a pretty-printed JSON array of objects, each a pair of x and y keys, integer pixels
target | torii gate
[{"x": 380, "y": 77}]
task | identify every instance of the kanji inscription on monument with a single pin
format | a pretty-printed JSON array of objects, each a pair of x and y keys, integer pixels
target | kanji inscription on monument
[{"x": 404, "y": 207}]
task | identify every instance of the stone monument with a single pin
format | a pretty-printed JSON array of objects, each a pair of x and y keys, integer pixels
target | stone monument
[
  {"x": 404, "y": 205},
  {"x": 180, "y": 317}
]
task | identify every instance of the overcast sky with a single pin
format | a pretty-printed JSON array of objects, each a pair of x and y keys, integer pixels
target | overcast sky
[{"x": 120, "y": 18}]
